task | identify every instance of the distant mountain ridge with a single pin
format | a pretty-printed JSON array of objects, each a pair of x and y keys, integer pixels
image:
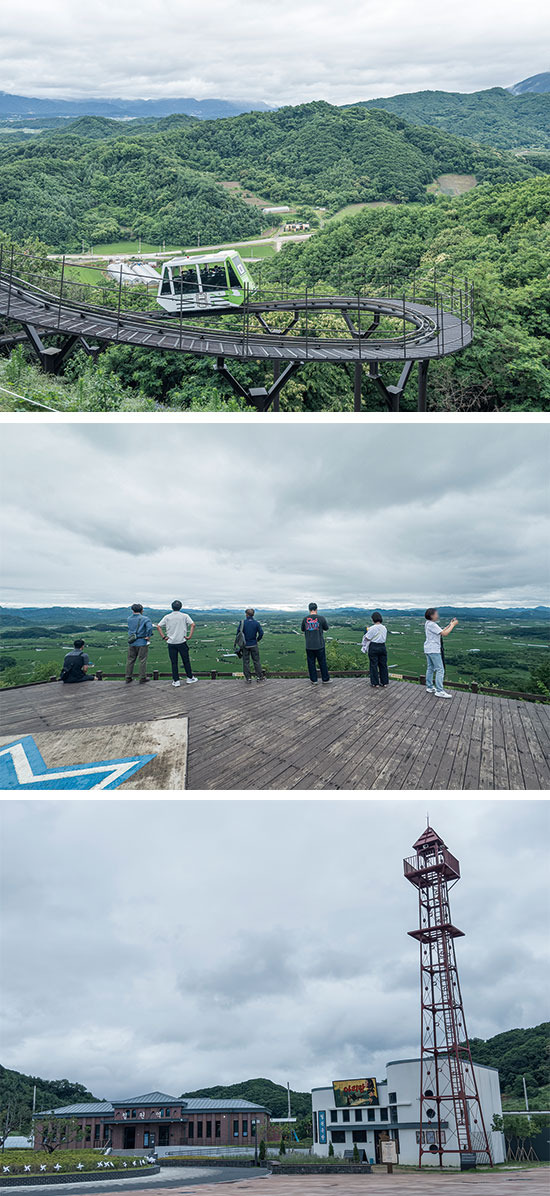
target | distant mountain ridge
[
  {"x": 535, "y": 83},
  {"x": 212, "y": 109},
  {"x": 59, "y": 615}
]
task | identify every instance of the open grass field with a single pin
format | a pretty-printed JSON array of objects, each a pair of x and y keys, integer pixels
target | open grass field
[{"x": 497, "y": 651}]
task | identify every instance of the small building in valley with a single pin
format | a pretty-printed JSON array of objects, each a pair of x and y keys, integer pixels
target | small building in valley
[{"x": 158, "y": 1122}]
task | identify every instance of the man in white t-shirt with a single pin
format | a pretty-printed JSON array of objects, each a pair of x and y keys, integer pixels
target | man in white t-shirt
[
  {"x": 374, "y": 642},
  {"x": 435, "y": 669},
  {"x": 179, "y": 628}
]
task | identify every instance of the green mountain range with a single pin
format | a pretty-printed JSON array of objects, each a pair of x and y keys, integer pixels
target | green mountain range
[
  {"x": 494, "y": 117},
  {"x": 515, "y": 1053},
  {"x": 92, "y": 183}
]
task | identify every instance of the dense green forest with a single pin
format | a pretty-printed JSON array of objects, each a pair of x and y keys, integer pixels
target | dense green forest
[
  {"x": 494, "y": 117},
  {"x": 16, "y": 1091},
  {"x": 261, "y": 1092},
  {"x": 498, "y": 236},
  {"x": 518, "y": 1053},
  {"x": 91, "y": 183}
]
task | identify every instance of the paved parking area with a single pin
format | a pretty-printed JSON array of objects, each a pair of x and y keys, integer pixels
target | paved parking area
[{"x": 219, "y": 1182}]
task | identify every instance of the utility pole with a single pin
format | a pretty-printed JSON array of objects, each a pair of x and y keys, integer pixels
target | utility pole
[
  {"x": 526, "y": 1097},
  {"x": 288, "y": 1094}
]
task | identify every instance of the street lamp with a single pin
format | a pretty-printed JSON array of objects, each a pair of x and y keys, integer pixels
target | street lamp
[{"x": 255, "y": 1141}]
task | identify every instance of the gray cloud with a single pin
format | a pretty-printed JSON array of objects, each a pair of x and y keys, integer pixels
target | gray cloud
[
  {"x": 182, "y": 944},
  {"x": 281, "y": 54},
  {"x": 275, "y": 515}
]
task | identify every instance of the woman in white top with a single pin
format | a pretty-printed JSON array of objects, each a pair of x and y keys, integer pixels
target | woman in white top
[
  {"x": 435, "y": 669},
  {"x": 374, "y": 642}
]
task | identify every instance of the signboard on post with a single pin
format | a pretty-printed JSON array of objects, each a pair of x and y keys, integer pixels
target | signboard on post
[
  {"x": 388, "y": 1151},
  {"x": 354, "y": 1092},
  {"x": 322, "y": 1118}
]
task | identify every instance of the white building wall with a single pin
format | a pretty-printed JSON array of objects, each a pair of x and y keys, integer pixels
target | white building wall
[{"x": 399, "y": 1114}]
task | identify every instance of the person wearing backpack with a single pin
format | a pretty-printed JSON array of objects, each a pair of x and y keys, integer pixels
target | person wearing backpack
[
  {"x": 140, "y": 630},
  {"x": 179, "y": 628},
  {"x": 247, "y": 639},
  {"x": 374, "y": 642},
  {"x": 313, "y": 626},
  {"x": 76, "y": 665}
]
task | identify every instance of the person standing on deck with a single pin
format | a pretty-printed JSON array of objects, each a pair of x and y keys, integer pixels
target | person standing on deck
[
  {"x": 140, "y": 630},
  {"x": 251, "y": 632},
  {"x": 179, "y": 628},
  {"x": 435, "y": 669},
  {"x": 313, "y": 626},
  {"x": 374, "y": 642}
]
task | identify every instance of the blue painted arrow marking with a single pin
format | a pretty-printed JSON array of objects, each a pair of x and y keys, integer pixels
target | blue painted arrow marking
[{"x": 23, "y": 767}]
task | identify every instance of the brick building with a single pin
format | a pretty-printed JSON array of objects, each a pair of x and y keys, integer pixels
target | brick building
[{"x": 160, "y": 1122}]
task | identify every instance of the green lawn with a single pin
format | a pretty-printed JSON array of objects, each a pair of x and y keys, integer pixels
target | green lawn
[{"x": 62, "y": 1161}]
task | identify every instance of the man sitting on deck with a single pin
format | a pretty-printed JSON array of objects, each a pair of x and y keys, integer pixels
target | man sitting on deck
[{"x": 76, "y": 665}]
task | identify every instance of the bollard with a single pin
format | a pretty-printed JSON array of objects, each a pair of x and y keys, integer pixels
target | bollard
[{"x": 155, "y": 674}]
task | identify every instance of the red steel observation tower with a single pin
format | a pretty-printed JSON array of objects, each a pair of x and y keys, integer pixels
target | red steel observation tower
[{"x": 451, "y": 1119}]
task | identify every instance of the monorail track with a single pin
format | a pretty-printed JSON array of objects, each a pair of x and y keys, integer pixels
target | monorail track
[{"x": 422, "y": 332}]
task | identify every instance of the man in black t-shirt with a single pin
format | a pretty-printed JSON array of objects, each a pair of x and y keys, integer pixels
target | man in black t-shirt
[
  {"x": 75, "y": 665},
  {"x": 313, "y": 627}
]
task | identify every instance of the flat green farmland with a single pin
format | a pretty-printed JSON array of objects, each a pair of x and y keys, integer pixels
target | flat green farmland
[{"x": 501, "y": 652}]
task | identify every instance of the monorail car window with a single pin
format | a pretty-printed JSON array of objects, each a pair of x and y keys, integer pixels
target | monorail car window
[
  {"x": 234, "y": 280},
  {"x": 213, "y": 278},
  {"x": 185, "y": 279}
]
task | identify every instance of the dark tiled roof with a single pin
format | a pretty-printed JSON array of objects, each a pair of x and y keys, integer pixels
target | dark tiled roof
[
  {"x": 102, "y": 1106},
  {"x": 150, "y": 1098}
]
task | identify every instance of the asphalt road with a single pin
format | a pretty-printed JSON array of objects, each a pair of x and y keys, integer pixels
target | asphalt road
[{"x": 175, "y": 1177}]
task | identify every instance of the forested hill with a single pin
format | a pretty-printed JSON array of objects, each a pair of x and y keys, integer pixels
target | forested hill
[
  {"x": 165, "y": 184},
  {"x": 497, "y": 236},
  {"x": 16, "y": 1090},
  {"x": 495, "y": 117},
  {"x": 261, "y": 1092},
  {"x": 518, "y": 1053}
]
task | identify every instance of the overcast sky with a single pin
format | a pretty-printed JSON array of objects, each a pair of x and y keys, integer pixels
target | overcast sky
[
  {"x": 281, "y": 53},
  {"x": 171, "y": 945},
  {"x": 274, "y": 515}
]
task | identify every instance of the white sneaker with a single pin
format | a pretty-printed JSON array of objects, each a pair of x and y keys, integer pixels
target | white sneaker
[
  {"x": 441, "y": 693},
  {"x": 176, "y": 683},
  {"x": 193, "y": 680},
  {"x": 429, "y": 689}
]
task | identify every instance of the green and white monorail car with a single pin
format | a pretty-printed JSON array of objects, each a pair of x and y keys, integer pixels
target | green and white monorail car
[{"x": 204, "y": 280}]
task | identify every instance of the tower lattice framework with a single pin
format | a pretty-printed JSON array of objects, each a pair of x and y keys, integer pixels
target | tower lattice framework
[{"x": 451, "y": 1118}]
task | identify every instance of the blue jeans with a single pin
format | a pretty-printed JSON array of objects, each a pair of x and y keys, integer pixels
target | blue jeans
[{"x": 434, "y": 671}]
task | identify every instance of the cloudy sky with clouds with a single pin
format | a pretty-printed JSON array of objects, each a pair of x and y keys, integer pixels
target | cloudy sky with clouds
[
  {"x": 174, "y": 945},
  {"x": 279, "y": 53},
  {"x": 274, "y": 515}
]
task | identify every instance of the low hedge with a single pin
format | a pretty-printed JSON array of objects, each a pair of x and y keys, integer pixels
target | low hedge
[{"x": 39, "y": 1162}]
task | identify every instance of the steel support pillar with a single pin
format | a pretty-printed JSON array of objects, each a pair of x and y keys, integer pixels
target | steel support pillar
[
  {"x": 393, "y": 394},
  {"x": 357, "y": 379},
  {"x": 53, "y": 356},
  {"x": 259, "y": 397},
  {"x": 422, "y": 384}
]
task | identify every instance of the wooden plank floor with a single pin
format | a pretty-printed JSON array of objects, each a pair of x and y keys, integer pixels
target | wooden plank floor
[{"x": 286, "y": 734}]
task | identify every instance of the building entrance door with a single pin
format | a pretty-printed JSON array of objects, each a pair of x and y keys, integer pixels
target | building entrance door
[
  {"x": 129, "y": 1137},
  {"x": 380, "y": 1136}
]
